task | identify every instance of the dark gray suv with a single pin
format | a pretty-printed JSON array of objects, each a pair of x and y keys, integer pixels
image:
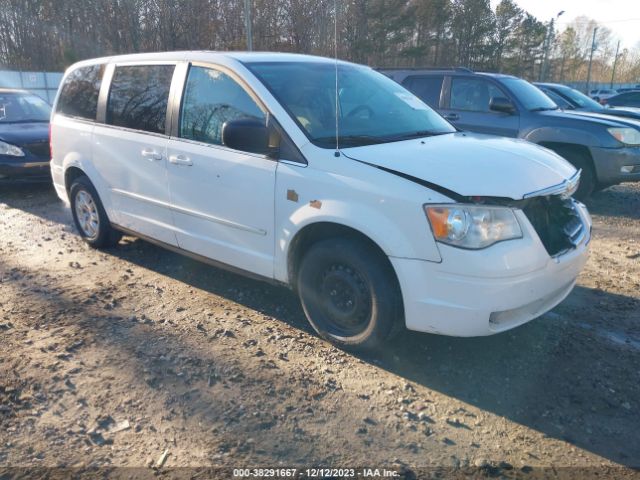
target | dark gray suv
[{"x": 606, "y": 149}]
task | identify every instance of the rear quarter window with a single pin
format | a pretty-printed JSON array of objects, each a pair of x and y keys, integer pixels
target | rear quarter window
[
  {"x": 79, "y": 93},
  {"x": 139, "y": 96}
]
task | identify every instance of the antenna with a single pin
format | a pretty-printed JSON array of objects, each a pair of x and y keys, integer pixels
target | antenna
[{"x": 335, "y": 56}]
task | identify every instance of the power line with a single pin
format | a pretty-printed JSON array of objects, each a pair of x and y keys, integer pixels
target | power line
[{"x": 588, "y": 22}]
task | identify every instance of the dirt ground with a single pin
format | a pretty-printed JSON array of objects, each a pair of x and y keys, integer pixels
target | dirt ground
[{"x": 139, "y": 357}]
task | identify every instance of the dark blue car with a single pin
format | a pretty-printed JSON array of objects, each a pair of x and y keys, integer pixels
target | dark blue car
[
  {"x": 24, "y": 137},
  {"x": 571, "y": 99}
]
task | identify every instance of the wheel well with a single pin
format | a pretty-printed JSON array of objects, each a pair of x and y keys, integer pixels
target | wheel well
[
  {"x": 316, "y": 232},
  {"x": 564, "y": 148},
  {"x": 70, "y": 175}
]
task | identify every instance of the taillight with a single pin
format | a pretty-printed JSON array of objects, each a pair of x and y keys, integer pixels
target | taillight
[{"x": 50, "y": 144}]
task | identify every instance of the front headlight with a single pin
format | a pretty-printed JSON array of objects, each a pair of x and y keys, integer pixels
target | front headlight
[
  {"x": 12, "y": 150},
  {"x": 629, "y": 136},
  {"x": 472, "y": 226}
]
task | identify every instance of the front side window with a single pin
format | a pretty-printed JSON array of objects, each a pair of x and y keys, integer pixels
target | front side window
[
  {"x": 79, "y": 93},
  {"x": 212, "y": 98},
  {"x": 530, "y": 96},
  {"x": 19, "y": 107},
  {"x": 371, "y": 108},
  {"x": 139, "y": 96},
  {"x": 473, "y": 94}
]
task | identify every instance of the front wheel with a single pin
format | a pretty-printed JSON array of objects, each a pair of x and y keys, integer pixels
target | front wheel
[
  {"x": 588, "y": 179},
  {"x": 349, "y": 293},
  {"x": 89, "y": 215}
]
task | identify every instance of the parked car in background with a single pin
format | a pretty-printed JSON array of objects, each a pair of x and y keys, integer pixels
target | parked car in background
[
  {"x": 606, "y": 149},
  {"x": 571, "y": 99},
  {"x": 627, "y": 99},
  {"x": 24, "y": 137},
  {"x": 628, "y": 89},
  {"x": 232, "y": 158},
  {"x": 600, "y": 94}
]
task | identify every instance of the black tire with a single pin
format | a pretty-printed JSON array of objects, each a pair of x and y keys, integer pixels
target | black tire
[
  {"x": 349, "y": 293},
  {"x": 588, "y": 180},
  {"x": 98, "y": 233}
]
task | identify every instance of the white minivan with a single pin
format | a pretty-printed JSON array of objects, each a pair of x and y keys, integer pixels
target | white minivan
[{"x": 324, "y": 176}]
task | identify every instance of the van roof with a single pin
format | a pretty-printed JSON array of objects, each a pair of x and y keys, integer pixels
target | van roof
[{"x": 204, "y": 55}]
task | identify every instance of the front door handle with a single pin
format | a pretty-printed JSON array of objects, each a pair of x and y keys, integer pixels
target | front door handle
[
  {"x": 180, "y": 160},
  {"x": 452, "y": 116},
  {"x": 151, "y": 154}
]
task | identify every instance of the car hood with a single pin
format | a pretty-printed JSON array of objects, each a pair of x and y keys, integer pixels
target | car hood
[
  {"x": 24, "y": 133},
  {"x": 628, "y": 112},
  {"x": 471, "y": 164},
  {"x": 604, "y": 119}
]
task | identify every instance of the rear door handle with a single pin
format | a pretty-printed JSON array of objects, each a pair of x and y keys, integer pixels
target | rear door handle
[
  {"x": 180, "y": 160},
  {"x": 452, "y": 116},
  {"x": 151, "y": 154}
]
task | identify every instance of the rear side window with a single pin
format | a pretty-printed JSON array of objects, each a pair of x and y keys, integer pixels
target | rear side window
[
  {"x": 79, "y": 93},
  {"x": 426, "y": 89},
  {"x": 212, "y": 98},
  {"x": 139, "y": 96}
]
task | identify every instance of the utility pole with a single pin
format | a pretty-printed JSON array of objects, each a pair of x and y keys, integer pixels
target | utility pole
[
  {"x": 593, "y": 49},
  {"x": 545, "y": 55},
  {"x": 548, "y": 39},
  {"x": 247, "y": 20},
  {"x": 615, "y": 61}
]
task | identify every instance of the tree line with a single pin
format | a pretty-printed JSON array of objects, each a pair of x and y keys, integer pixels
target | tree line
[{"x": 52, "y": 34}]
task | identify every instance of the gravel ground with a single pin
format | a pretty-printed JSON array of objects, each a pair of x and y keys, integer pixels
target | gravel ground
[{"x": 139, "y": 357}]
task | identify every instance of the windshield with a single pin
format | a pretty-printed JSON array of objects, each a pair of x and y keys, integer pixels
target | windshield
[
  {"x": 23, "y": 107},
  {"x": 579, "y": 98},
  {"x": 371, "y": 107},
  {"x": 531, "y": 97}
]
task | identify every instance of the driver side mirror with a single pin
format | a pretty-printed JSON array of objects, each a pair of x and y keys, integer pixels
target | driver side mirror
[
  {"x": 501, "y": 104},
  {"x": 248, "y": 135}
]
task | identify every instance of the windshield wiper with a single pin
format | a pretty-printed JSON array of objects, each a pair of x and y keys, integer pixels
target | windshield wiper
[
  {"x": 361, "y": 140},
  {"x": 543, "y": 109},
  {"x": 416, "y": 134},
  {"x": 350, "y": 140}
]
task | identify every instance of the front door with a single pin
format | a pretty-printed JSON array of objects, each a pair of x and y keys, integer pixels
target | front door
[
  {"x": 468, "y": 108},
  {"x": 222, "y": 199}
]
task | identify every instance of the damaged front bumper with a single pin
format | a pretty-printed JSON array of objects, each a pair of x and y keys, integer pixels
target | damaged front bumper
[{"x": 476, "y": 293}]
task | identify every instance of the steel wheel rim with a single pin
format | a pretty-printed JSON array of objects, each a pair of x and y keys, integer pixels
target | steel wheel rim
[
  {"x": 87, "y": 214},
  {"x": 345, "y": 300}
]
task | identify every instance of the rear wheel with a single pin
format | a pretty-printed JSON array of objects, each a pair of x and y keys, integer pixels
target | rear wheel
[
  {"x": 89, "y": 216},
  {"x": 349, "y": 293}
]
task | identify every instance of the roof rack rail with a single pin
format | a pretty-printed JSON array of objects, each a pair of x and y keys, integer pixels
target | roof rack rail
[{"x": 459, "y": 69}]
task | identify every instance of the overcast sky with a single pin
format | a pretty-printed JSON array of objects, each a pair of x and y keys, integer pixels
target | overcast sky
[{"x": 622, "y": 17}]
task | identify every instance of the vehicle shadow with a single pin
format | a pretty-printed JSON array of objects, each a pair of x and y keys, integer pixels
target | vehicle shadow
[
  {"x": 571, "y": 374},
  {"x": 38, "y": 199},
  {"x": 618, "y": 201}
]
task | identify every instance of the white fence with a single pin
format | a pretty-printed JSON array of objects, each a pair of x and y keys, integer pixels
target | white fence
[{"x": 43, "y": 84}]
